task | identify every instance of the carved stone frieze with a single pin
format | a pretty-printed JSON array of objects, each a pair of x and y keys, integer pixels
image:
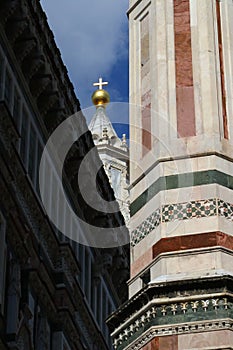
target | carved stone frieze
[
  {"x": 23, "y": 47},
  {"x": 15, "y": 27},
  {"x": 39, "y": 83},
  {"x": 32, "y": 64},
  {"x": 8, "y": 9}
]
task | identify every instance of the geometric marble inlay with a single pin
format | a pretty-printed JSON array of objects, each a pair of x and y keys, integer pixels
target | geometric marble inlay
[
  {"x": 146, "y": 227},
  {"x": 182, "y": 211},
  {"x": 189, "y": 210},
  {"x": 225, "y": 209}
]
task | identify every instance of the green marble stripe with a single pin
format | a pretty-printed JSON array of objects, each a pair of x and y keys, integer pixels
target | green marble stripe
[{"x": 180, "y": 181}]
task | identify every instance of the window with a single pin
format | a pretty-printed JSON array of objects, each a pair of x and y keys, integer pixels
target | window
[
  {"x": 87, "y": 278},
  {"x": 13, "y": 293},
  {"x": 32, "y": 161},
  {"x": 93, "y": 289},
  {"x": 68, "y": 226},
  {"x": 1, "y": 76},
  {"x": 61, "y": 215},
  {"x": 47, "y": 174},
  {"x": 3, "y": 252},
  {"x": 43, "y": 332},
  {"x": 81, "y": 261},
  {"x": 32, "y": 308},
  {"x": 104, "y": 311},
  {"x": 54, "y": 201},
  {"x": 99, "y": 303},
  {"x": 24, "y": 138},
  {"x": 116, "y": 181},
  {"x": 16, "y": 108},
  {"x": 8, "y": 88},
  {"x": 59, "y": 341},
  {"x": 39, "y": 155}
]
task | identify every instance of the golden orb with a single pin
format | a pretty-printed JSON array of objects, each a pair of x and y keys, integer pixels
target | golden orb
[{"x": 100, "y": 97}]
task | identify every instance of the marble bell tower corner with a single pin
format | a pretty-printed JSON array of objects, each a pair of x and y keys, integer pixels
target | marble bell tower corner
[{"x": 181, "y": 177}]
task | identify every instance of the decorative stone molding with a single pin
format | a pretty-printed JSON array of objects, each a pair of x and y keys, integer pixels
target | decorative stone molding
[
  {"x": 165, "y": 315},
  {"x": 27, "y": 31},
  {"x": 195, "y": 327}
]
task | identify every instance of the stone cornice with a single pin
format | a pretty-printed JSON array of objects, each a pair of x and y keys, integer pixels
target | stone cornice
[
  {"x": 34, "y": 47},
  {"x": 192, "y": 327},
  {"x": 53, "y": 52},
  {"x": 173, "y": 289},
  {"x": 177, "y": 158},
  {"x": 183, "y": 312},
  {"x": 113, "y": 151}
]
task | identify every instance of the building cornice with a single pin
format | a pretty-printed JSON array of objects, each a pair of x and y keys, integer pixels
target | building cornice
[
  {"x": 173, "y": 288},
  {"x": 177, "y": 329}
]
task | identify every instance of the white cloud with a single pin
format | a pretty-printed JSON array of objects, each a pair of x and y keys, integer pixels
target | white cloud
[{"x": 92, "y": 36}]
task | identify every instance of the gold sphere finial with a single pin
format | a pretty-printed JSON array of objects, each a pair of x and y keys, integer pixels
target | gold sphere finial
[{"x": 100, "y": 97}]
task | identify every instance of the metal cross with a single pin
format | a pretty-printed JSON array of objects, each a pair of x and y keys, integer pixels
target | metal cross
[{"x": 100, "y": 83}]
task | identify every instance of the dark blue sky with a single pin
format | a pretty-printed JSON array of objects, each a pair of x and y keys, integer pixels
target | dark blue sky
[{"x": 93, "y": 39}]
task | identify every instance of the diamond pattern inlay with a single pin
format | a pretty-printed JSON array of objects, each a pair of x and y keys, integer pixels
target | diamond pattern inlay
[
  {"x": 182, "y": 211},
  {"x": 146, "y": 227},
  {"x": 188, "y": 210},
  {"x": 225, "y": 209}
]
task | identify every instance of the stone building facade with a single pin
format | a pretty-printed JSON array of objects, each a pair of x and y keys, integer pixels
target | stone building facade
[
  {"x": 181, "y": 284},
  {"x": 55, "y": 294}
]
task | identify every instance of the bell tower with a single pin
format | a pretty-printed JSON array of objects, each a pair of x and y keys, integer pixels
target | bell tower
[
  {"x": 181, "y": 174},
  {"x": 113, "y": 151}
]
